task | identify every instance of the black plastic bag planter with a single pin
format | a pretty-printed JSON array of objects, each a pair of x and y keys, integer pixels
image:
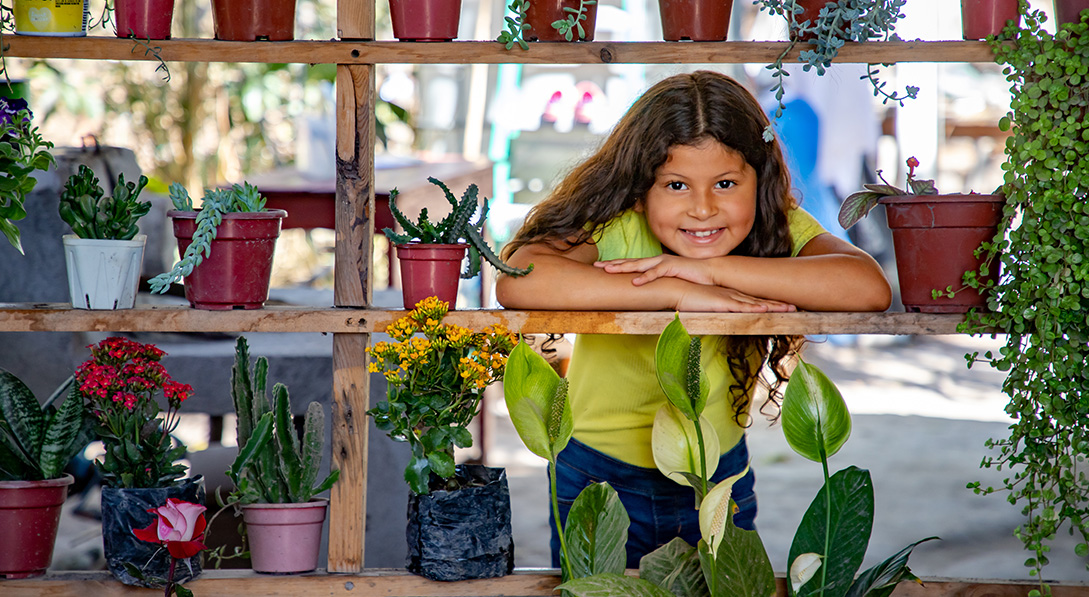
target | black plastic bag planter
[{"x": 462, "y": 534}]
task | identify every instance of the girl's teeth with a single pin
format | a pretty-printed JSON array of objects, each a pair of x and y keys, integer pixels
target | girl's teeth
[{"x": 702, "y": 233}]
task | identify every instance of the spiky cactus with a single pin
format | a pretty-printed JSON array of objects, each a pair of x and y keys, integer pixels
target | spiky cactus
[
  {"x": 91, "y": 215},
  {"x": 273, "y": 466},
  {"x": 37, "y": 441},
  {"x": 456, "y": 227}
]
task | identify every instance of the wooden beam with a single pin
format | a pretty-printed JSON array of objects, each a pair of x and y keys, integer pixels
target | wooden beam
[
  {"x": 483, "y": 52},
  {"x": 58, "y": 317}
]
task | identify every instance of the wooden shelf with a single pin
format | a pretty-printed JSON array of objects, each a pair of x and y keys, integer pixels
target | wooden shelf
[
  {"x": 59, "y": 317},
  {"x": 480, "y": 52}
]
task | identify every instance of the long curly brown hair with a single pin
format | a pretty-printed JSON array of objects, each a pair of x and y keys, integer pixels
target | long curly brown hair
[{"x": 684, "y": 109}]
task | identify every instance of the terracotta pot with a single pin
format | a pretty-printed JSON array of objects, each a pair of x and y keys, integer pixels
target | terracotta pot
[
  {"x": 935, "y": 238},
  {"x": 430, "y": 270},
  {"x": 980, "y": 18},
  {"x": 695, "y": 20},
  {"x": 252, "y": 20},
  {"x": 810, "y": 10},
  {"x": 541, "y": 14},
  {"x": 30, "y": 514},
  {"x": 103, "y": 274},
  {"x": 284, "y": 538},
  {"x": 1069, "y": 11},
  {"x": 236, "y": 275},
  {"x": 425, "y": 20},
  {"x": 145, "y": 19}
]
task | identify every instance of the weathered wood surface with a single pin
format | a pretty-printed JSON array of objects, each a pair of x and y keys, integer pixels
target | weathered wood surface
[
  {"x": 398, "y": 583},
  {"x": 482, "y": 52},
  {"x": 58, "y": 317}
]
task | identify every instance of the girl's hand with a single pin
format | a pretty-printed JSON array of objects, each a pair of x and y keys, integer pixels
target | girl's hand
[
  {"x": 697, "y": 271},
  {"x": 705, "y": 298}
]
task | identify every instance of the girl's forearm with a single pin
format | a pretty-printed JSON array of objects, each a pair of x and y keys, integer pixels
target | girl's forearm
[
  {"x": 560, "y": 284},
  {"x": 828, "y": 282}
]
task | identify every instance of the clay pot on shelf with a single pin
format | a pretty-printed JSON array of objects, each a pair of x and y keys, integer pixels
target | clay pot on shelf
[
  {"x": 542, "y": 13},
  {"x": 694, "y": 20},
  {"x": 285, "y": 538},
  {"x": 430, "y": 270},
  {"x": 980, "y": 18},
  {"x": 254, "y": 20},
  {"x": 1069, "y": 11},
  {"x": 30, "y": 515},
  {"x": 425, "y": 20},
  {"x": 144, "y": 19}
]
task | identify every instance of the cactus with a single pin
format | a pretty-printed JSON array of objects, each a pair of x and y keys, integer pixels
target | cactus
[
  {"x": 456, "y": 227},
  {"x": 273, "y": 466},
  {"x": 36, "y": 442},
  {"x": 90, "y": 215}
]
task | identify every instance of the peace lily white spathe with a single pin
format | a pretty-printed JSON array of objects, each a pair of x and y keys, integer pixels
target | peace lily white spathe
[
  {"x": 716, "y": 511},
  {"x": 676, "y": 446},
  {"x": 803, "y": 569}
]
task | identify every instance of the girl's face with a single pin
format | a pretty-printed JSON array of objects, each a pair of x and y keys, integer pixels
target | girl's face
[{"x": 703, "y": 201}]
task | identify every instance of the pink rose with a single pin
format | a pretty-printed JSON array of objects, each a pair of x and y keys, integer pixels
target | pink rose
[{"x": 179, "y": 526}]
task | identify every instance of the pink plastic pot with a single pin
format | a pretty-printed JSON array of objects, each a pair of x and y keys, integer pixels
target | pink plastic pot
[
  {"x": 430, "y": 270},
  {"x": 237, "y": 273},
  {"x": 145, "y": 19},
  {"x": 980, "y": 18},
  {"x": 30, "y": 514},
  {"x": 284, "y": 538}
]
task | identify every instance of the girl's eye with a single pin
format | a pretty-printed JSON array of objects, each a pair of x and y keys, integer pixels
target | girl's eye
[
  {"x": 675, "y": 186},
  {"x": 725, "y": 184}
]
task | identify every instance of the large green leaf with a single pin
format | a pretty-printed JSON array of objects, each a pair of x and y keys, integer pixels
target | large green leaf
[
  {"x": 675, "y": 566},
  {"x": 612, "y": 585},
  {"x": 815, "y": 417},
  {"x": 675, "y": 446},
  {"x": 533, "y": 392},
  {"x": 848, "y": 527},
  {"x": 671, "y": 363},
  {"x": 596, "y": 532},
  {"x": 22, "y": 419},
  {"x": 881, "y": 580},
  {"x": 61, "y": 431},
  {"x": 741, "y": 565}
]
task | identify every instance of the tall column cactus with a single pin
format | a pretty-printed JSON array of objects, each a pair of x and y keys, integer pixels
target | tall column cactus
[{"x": 273, "y": 466}]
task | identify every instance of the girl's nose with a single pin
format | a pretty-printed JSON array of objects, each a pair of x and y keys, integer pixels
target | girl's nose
[{"x": 703, "y": 205}]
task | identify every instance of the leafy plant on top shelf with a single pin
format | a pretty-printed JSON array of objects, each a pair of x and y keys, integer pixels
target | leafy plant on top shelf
[
  {"x": 456, "y": 227},
  {"x": 837, "y": 23},
  {"x": 22, "y": 151},
  {"x": 1042, "y": 300},
  {"x": 91, "y": 214},
  {"x": 237, "y": 199},
  {"x": 573, "y": 22},
  {"x": 516, "y": 25}
]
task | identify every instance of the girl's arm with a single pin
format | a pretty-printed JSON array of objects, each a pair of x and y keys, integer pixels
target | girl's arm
[
  {"x": 568, "y": 280},
  {"x": 829, "y": 274}
]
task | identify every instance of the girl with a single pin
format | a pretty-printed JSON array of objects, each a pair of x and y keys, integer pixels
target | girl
[{"x": 684, "y": 207}]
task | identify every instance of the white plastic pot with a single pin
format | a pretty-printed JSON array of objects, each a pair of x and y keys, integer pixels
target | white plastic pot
[{"x": 103, "y": 274}]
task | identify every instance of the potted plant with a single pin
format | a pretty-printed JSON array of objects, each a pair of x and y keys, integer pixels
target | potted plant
[
  {"x": 982, "y": 18},
  {"x": 552, "y": 20},
  {"x": 694, "y": 20},
  {"x": 254, "y": 20},
  {"x": 430, "y": 254},
  {"x": 178, "y": 528},
  {"x": 436, "y": 374},
  {"x": 275, "y": 475},
  {"x": 143, "y": 19},
  {"x": 937, "y": 239},
  {"x": 22, "y": 151},
  {"x": 105, "y": 252},
  {"x": 139, "y": 469},
  {"x": 425, "y": 20},
  {"x": 227, "y": 247},
  {"x": 36, "y": 442}
]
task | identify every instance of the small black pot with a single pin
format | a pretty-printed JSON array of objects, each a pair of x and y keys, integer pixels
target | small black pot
[
  {"x": 462, "y": 534},
  {"x": 125, "y": 509}
]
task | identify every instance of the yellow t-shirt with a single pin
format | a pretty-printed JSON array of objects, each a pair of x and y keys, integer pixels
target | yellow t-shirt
[{"x": 614, "y": 390}]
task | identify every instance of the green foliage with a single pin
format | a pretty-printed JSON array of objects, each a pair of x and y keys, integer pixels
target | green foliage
[
  {"x": 237, "y": 199},
  {"x": 739, "y": 567},
  {"x": 536, "y": 399},
  {"x": 273, "y": 466},
  {"x": 677, "y": 362},
  {"x": 816, "y": 422},
  {"x": 456, "y": 227},
  {"x": 568, "y": 25},
  {"x": 837, "y": 23},
  {"x": 880, "y": 580},
  {"x": 22, "y": 151},
  {"x": 610, "y": 585},
  {"x": 92, "y": 215},
  {"x": 37, "y": 441},
  {"x": 857, "y": 205},
  {"x": 1041, "y": 301},
  {"x": 596, "y": 533},
  {"x": 516, "y": 25}
]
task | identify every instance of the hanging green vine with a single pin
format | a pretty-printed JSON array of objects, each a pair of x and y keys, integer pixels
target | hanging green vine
[{"x": 1042, "y": 299}]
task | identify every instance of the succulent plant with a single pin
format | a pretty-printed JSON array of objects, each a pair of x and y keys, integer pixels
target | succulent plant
[
  {"x": 273, "y": 466},
  {"x": 91, "y": 213},
  {"x": 37, "y": 441},
  {"x": 456, "y": 227}
]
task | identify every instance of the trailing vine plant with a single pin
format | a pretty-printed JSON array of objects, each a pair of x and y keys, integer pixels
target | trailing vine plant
[
  {"x": 1041, "y": 301},
  {"x": 837, "y": 23}
]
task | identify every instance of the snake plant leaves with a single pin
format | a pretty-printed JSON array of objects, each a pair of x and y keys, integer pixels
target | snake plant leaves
[
  {"x": 676, "y": 447},
  {"x": 673, "y": 358},
  {"x": 612, "y": 584},
  {"x": 596, "y": 532},
  {"x": 536, "y": 398},
  {"x": 816, "y": 421}
]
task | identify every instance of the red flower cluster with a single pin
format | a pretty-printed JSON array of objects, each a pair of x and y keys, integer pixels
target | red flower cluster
[{"x": 123, "y": 372}]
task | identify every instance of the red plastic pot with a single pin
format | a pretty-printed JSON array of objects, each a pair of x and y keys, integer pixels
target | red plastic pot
[
  {"x": 542, "y": 13},
  {"x": 935, "y": 238},
  {"x": 284, "y": 538},
  {"x": 810, "y": 10},
  {"x": 980, "y": 18},
  {"x": 30, "y": 514},
  {"x": 144, "y": 19},
  {"x": 695, "y": 20},
  {"x": 252, "y": 20},
  {"x": 430, "y": 270},
  {"x": 236, "y": 275},
  {"x": 425, "y": 20},
  {"x": 1069, "y": 11}
]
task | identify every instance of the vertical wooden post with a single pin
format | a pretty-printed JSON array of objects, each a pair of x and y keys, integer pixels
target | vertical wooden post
[{"x": 352, "y": 288}]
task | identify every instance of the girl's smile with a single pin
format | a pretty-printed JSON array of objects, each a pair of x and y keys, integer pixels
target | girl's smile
[{"x": 703, "y": 201}]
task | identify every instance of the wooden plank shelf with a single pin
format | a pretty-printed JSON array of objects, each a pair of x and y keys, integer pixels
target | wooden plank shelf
[
  {"x": 398, "y": 583},
  {"x": 59, "y": 317},
  {"x": 480, "y": 52}
]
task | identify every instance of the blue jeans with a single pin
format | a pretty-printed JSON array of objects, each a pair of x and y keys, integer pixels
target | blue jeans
[{"x": 659, "y": 508}]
